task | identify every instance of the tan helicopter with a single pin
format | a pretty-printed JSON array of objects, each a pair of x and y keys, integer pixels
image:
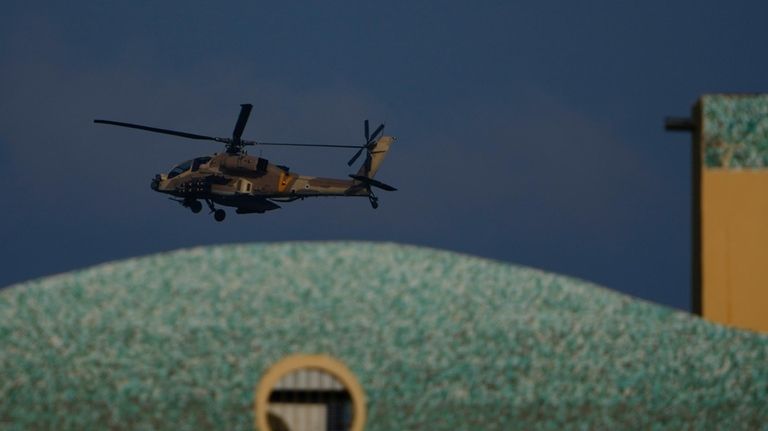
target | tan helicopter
[{"x": 253, "y": 184}]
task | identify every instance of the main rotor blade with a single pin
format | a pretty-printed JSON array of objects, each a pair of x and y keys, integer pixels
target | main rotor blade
[
  {"x": 287, "y": 144},
  {"x": 375, "y": 133},
  {"x": 367, "y": 135},
  {"x": 156, "y": 130},
  {"x": 245, "y": 112}
]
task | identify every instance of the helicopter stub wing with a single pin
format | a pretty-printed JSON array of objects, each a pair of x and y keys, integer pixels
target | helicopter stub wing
[{"x": 257, "y": 206}]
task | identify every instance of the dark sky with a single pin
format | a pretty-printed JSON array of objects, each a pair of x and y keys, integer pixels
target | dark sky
[{"x": 529, "y": 132}]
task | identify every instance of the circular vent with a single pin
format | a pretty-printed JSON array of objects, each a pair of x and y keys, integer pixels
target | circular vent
[{"x": 309, "y": 393}]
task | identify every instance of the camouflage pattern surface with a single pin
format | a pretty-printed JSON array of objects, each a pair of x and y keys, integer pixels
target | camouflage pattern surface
[{"x": 250, "y": 183}]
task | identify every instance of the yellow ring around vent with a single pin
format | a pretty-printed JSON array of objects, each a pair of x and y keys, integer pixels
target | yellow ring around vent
[{"x": 317, "y": 362}]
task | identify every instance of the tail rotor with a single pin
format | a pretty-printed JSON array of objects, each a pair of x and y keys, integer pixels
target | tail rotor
[{"x": 370, "y": 141}]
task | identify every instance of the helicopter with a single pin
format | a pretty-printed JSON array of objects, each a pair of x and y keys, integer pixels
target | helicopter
[{"x": 253, "y": 184}]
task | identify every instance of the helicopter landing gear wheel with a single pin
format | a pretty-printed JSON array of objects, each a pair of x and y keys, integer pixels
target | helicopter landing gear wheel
[
  {"x": 195, "y": 206},
  {"x": 219, "y": 215}
]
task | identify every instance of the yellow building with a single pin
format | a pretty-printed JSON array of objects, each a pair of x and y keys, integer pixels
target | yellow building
[{"x": 730, "y": 214}]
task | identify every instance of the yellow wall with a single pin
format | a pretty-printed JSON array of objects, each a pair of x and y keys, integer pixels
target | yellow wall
[{"x": 734, "y": 247}]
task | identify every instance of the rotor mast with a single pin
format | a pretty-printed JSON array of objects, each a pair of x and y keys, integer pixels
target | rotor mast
[{"x": 235, "y": 145}]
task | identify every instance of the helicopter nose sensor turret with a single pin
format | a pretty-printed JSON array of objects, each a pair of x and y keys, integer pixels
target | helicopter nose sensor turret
[{"x": 155, "y": 182}]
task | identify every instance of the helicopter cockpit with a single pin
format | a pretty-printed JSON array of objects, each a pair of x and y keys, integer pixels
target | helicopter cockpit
[{"x": 193, "y": 164}]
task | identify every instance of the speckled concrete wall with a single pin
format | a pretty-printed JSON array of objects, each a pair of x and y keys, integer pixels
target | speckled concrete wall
[
  {"x": 439, "y": 341},
  {"x": 735, "y": 130}
]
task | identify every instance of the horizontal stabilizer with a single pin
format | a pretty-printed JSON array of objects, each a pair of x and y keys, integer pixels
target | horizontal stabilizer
[{"x": 372, "y": 182}]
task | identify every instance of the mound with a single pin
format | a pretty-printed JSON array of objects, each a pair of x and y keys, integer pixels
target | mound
[{"x": 437, "y": 340}]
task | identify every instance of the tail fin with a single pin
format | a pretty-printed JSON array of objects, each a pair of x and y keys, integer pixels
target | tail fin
[{"x": 374, "y": 158}]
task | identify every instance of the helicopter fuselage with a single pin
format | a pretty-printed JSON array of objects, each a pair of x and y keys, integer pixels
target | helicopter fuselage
[
  {"x": 249, "y": 183},
  {"x": 252, "y": 184}
]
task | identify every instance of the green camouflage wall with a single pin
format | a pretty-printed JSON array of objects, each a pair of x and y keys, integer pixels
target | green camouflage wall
[{"x": 735, "y": 130}]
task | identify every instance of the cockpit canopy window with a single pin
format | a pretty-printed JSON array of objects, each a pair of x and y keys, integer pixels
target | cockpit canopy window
[
  {"x": 185, "y": 166},
  {"x": 181, "y": 167}
]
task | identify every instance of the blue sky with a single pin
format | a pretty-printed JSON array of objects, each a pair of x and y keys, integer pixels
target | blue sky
[{"x": 529, "y": 132}]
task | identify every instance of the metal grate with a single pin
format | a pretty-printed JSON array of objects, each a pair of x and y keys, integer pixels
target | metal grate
[{"x": 309, "y": 400}]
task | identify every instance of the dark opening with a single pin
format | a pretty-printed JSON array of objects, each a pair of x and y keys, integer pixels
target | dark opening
[{"x": 310, "y": 399}]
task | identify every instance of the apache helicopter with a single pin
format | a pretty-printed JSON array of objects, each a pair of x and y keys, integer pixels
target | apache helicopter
[{"x": 253, "y": 184}]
